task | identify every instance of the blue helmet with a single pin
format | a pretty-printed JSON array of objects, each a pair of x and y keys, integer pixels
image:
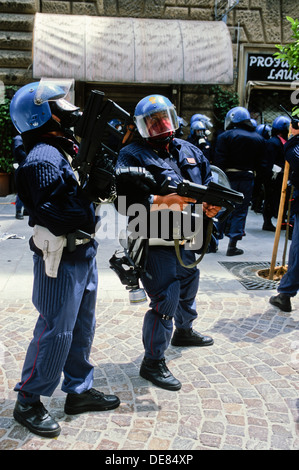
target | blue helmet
[
  {"x": 155, "y": 116},
  {"x": 30, "y": 108},
  {"x": 115, "y": 123},
  {"x": 202, "y": 118},
  {"x": 264, "y": 130},
  {"x": 235, "y": 116},
  {"x": 198, "y": 128},
  {"x": 281, "y": 124},
  {"x": 182, "y": 122}
]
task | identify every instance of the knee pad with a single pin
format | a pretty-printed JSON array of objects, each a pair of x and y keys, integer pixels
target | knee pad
[
  {"x": 56, "y": 354},
  {"x": 162, "y": 316}
]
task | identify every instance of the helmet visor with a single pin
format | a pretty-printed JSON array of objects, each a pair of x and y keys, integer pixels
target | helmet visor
[
  {"x": 52, "y": 89},
  {"x": 157, "y": 123},
  {"x": 219, "y": 177}
]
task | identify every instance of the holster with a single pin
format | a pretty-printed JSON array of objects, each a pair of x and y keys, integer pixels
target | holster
[{"x": 51, "y": 246}]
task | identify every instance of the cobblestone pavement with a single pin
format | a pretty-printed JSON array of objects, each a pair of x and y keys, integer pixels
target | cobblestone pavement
[{"x": 239, "y": 394}]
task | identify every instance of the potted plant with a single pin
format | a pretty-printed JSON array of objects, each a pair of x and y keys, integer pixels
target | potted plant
[{"x": 6, "y": 135}]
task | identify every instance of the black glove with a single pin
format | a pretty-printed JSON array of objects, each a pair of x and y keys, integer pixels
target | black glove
[
  {"x": 99, "y": 184},
  {"x": 136, "y": 177}
]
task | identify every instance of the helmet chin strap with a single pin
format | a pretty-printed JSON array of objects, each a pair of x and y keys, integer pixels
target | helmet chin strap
[{"x": 160, "y": 143}]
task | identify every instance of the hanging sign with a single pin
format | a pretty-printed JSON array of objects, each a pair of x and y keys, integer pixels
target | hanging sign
[{"x": 266, "y": 67}]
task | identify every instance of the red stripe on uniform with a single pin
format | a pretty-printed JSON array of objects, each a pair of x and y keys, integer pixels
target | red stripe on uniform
[{"x": 34, "y": 359}]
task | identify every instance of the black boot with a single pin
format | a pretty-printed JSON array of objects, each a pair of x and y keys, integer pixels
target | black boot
[
  {"x": 36, "y": 418},
  {"x": 156, "y": 371},
  {"x": 190, "y": 338},
  {"x": 281, "y": 301},
  {"x": 267, "y": 225},
  {"x": 232, "y": 249},
  {"x": 91, "y": 400},
  {"x": 19, "y": 215}
]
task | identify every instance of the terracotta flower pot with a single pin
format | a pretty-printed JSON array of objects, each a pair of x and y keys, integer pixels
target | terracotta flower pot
[{"x": 4, "y": 184}]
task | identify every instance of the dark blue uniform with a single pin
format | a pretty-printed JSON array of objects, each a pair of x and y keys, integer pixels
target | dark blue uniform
[
  {"x": 66, "y": 304},
  {"x": 289, "y": 283},
  {"x": 204, "y": 145},
  {"x": 19, "y": 154},
  {"x": 274, "y": 156},
  {"x": 171, "y": 288},
  {"x": 239, "y": 153}
]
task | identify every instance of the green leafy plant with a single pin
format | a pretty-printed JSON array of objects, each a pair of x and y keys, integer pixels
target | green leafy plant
[
  {"x": 6, "y": 133},
  {"x": 224, "y": 100},
  {"x": 290, "y": 52}
]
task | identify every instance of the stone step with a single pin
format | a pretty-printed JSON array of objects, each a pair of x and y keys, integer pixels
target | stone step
[
  {"x": 16, "y": 22},
  {"x": 16, "y": 76},
  {"x": 19, "y": 6},
  {"x": 20, "y": 59},
  {"x": 16, "y": 40}
]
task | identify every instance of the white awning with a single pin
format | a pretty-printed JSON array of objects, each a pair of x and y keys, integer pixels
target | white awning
[{"x": 132, "y": 50}]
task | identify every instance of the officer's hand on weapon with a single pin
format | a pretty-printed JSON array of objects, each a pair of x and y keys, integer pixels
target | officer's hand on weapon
[
  {"x": 210, "y": 210},
  {"x": 136, "y": 177},
  {"x": 171, "y": 201},
  {"x": 99, "y": 184}
]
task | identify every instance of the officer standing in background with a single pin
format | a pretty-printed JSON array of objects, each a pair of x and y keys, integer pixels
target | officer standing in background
[
  {"x": 260, "y": 180},
  {"x": 179, "y": 133},
  {"x": 199, "y": 137},
  {"x": 273, "y": 166},
  {"x": 289, "y": 284},
  {"x": 171, "y": 287},
  {"x": 19, "y": 155},
  {"x": 65, "y": 273},
  {"x": 239, "y": 151}
]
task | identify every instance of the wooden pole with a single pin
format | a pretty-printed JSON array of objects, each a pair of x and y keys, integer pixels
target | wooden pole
[{"x": 279, "y": 218}]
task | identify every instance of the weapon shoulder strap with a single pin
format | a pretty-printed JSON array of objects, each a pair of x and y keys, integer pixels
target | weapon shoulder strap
[{"x": 206, "y": 245}]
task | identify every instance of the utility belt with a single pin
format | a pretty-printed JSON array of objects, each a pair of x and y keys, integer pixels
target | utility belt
[{"x": 52, "y": 246}]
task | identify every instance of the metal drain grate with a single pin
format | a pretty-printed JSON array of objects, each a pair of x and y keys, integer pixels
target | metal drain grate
[{"x": 246, "y": 273}]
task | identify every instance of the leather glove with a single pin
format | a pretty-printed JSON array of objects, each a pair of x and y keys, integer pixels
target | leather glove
[
  {"x": 99, "y": 184},
  {"x": 136, "y": 176}
]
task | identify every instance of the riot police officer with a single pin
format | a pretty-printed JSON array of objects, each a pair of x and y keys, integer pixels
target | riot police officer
[
  {"x": 238, "y": 152},
  {"x": 264, "y": 130},
  {"x": 171, "y": 287},
  {"x": 261, "y": 181},
  {"x": 289, "y": 284},
  {"x": 64, "y": 248},
  {"x": 199, "y": 137},
  {"x": 273, "y": 164}
]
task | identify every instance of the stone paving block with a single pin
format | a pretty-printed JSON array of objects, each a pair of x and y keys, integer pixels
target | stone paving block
[{"x": 239, "y": 394}]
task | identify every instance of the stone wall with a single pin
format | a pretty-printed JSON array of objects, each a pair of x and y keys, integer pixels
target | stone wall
[
  {"x": 16, "y": 27},
  {"x": 250, "y": 22},
  {"x": 260, "y": 22}
]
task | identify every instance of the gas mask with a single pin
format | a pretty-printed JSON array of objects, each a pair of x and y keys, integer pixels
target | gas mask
[{"x": 66, "y": 113}]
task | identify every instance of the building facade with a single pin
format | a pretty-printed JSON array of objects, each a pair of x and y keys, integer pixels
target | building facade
[{"x": 42, "y": 37}]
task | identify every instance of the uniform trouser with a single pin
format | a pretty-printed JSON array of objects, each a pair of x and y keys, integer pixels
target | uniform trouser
[
  {"x": 19, "y": 204},
  {"x": 289, "y": 283},
  {"x": 234, "y": 226},
  {"x": 64, "y": 330},
  {"x": 172, "y": 290}
]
